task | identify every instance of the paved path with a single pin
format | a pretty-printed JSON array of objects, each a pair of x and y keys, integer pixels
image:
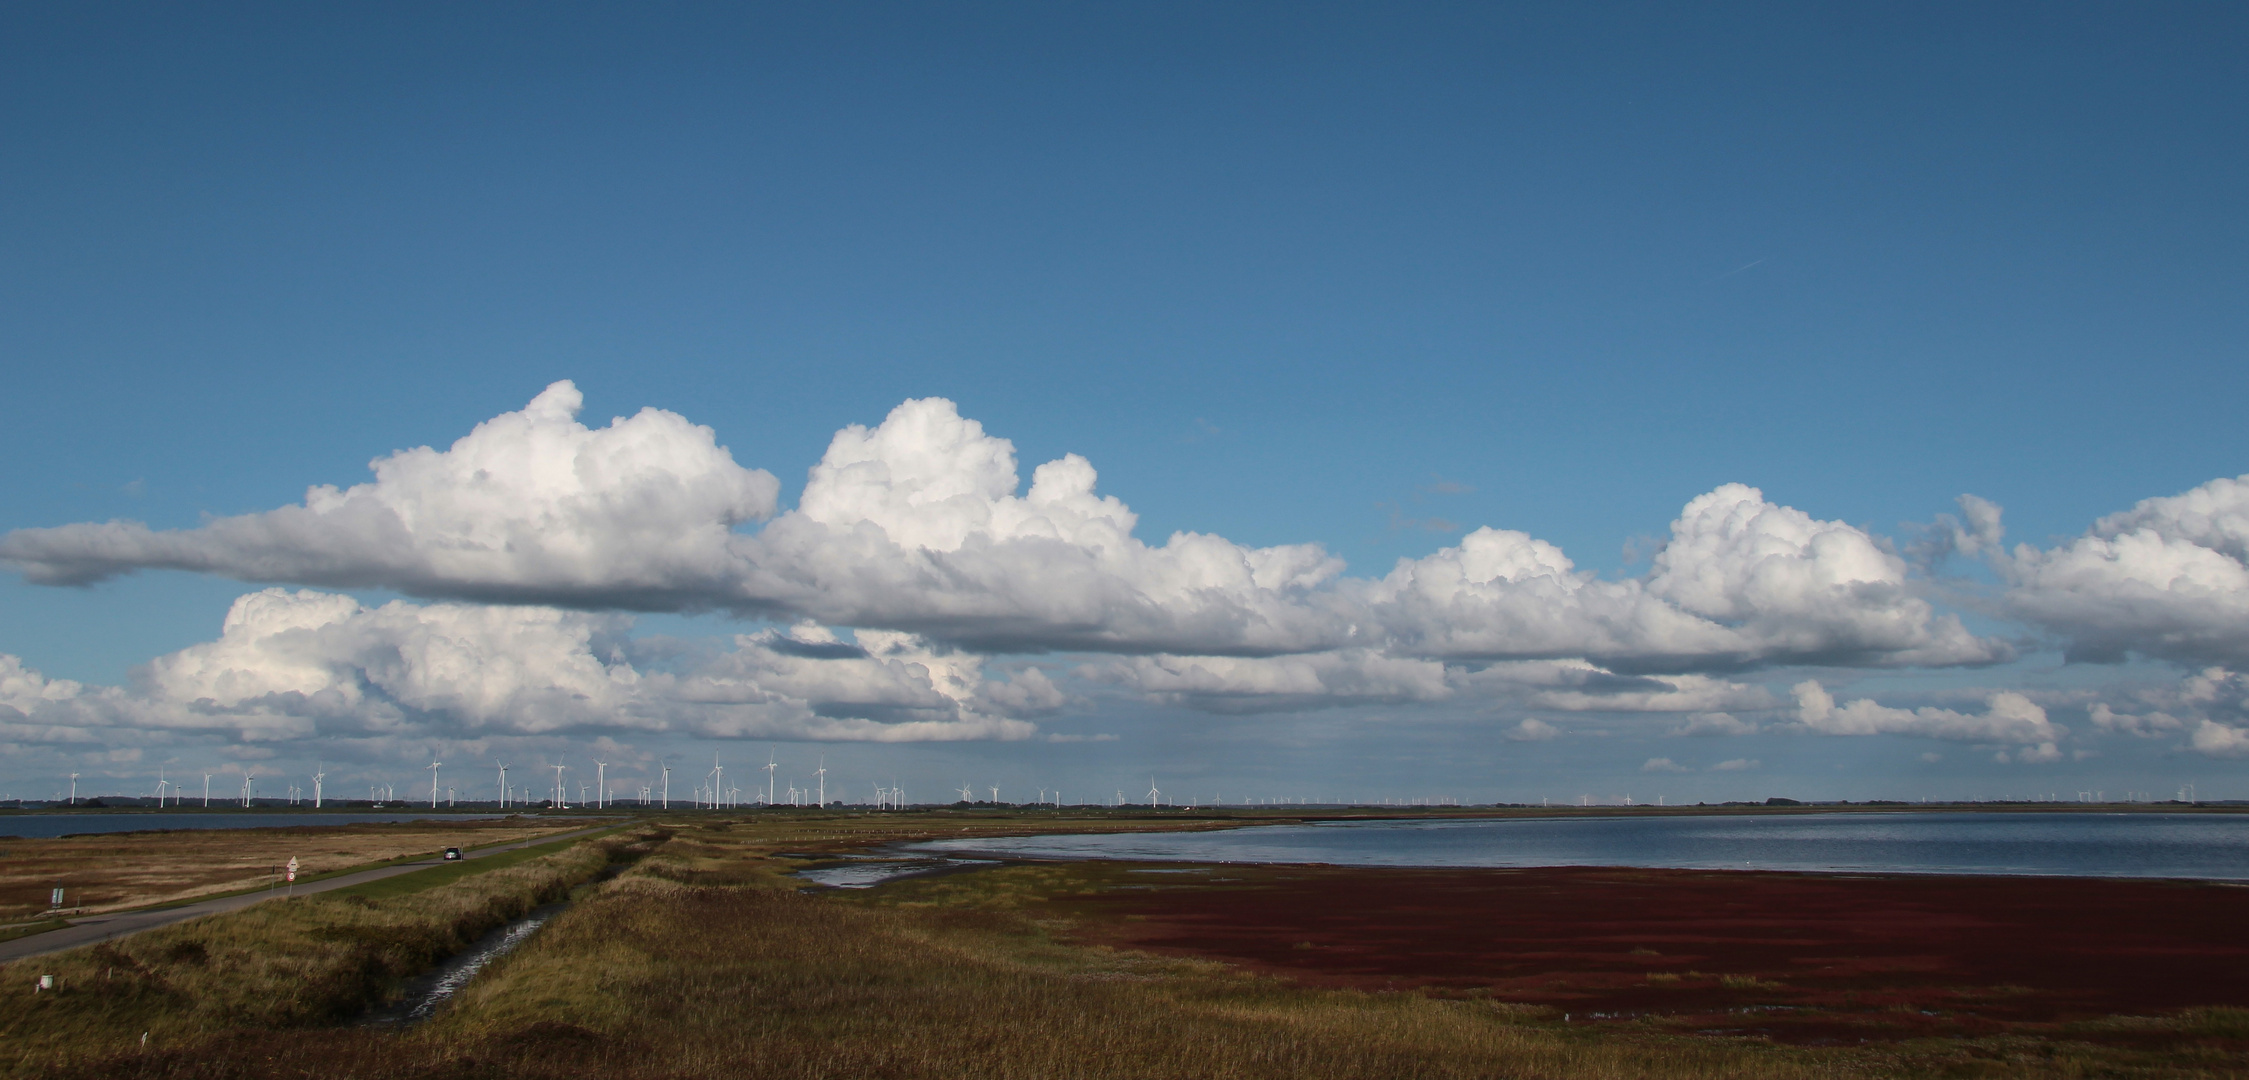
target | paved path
[{"x": 95, "y": 928}]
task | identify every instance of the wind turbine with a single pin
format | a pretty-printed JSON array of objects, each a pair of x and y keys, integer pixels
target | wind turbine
[
  {"x": 718, "y": 780},
  {"x": 503, "y": 785},
  {"x": 160, "y": 789},
  {"x": 319, "y": 775},
  {"x": 822, "y": 773},
  {"x": 667, "y": 784},
  {"x": 967, "y": 793},
  {"x": 770, "y": 765},
  {"x": 558, "y": 792},
  {"x": 73, "y": 790},
  {"x": 601, "y": 782},
  {"x": 246, "y": 778},
  {"x": 1152, "y": 792},
  {"x": 995, "y": 794},
  {"x": 433, "y": 783}
]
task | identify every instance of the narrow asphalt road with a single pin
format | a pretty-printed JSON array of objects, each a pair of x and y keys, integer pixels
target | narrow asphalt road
[{"x": 95, "y": 928}]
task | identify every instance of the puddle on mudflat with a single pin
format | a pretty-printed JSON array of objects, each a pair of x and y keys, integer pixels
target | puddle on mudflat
[{"x": 868, "y": 873}]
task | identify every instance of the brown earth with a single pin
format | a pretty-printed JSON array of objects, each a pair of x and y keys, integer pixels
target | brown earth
[
  {"x": 111, "y": 871},
  {"x": 1799, "y": 957}
]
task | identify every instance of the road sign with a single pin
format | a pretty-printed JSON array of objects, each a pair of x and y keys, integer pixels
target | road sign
[
  {"x": 292, "y": 868},
  {"x": 57, "y": 902}
]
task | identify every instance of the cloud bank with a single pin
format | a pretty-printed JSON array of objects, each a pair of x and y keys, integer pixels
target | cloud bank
[
  {"x": 2008, "y": 717},
  {"x": 534, "y": 535},
  {"x": 917, "y": 525},
  {"x": 301, "y": 665}
]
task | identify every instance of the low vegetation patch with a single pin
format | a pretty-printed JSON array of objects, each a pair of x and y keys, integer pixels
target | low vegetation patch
[
  {"x": 287, "y": 963},
  {"x": 706, "y": 959}
]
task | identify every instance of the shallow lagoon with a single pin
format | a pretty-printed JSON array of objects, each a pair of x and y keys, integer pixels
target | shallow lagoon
[{"x": 2154, "y": 845}]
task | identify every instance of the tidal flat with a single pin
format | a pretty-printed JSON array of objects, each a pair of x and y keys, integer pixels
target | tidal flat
[{"x": 704, "y": 954}]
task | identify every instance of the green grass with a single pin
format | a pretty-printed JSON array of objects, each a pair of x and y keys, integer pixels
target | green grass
[
  {"x": 448, "y": 873},
  {"x": 24, "y": 930},
  {"x": 278, "y": 887}
]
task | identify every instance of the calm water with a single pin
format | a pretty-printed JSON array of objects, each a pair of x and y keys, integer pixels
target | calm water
[
  {"x": 2067, "y": 844},
  {"x": 40, "y": 825}
]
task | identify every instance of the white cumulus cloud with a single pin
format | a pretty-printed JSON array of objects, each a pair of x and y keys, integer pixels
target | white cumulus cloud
[
  {"x": 1533, "y": 729},
  {"x": 1742, "y": 582},
  {"x": 530, "y": 506},
  {"x": 2168, "y": 579},
  {"x": 1715, "y": 723},
  {"x": 2211, "y": 707},
  {"x": 2009, "y": 717}
]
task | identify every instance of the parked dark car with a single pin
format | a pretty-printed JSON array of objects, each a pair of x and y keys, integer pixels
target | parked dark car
[{"x": 452, "y": 854}]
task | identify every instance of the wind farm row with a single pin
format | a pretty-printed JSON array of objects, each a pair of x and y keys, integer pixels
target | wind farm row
[{"x": 568, "y": 788}]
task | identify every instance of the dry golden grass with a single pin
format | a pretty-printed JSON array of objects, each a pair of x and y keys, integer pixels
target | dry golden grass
[{"x": 111, "y": 871}]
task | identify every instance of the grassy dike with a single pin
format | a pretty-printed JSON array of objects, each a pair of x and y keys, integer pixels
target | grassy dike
[
  {"x": 284, "y": 964},
  {"x": 706, "y": 960}
]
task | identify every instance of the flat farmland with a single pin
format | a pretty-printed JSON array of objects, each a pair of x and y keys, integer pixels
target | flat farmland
[{"x": 115, "y": 871}]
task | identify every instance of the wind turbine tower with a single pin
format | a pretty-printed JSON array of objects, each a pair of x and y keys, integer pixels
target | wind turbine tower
[
  {"x": 601, "y": 783},
  {"x": 1152, "y": 792},
  {"x": 73, "y": 790},
  {"x": 433, "y": 783},
  {"x": 822, "y": 773},
  {"x": 317, "y": 790},
  {"x": 770, "y": 765},
  {"x": 503, "y": 785},
  {"x": 667, "y": 785},
  {"x": 558, "y": 787}
]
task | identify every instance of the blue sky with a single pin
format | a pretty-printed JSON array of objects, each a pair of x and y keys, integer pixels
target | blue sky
[{"x": 1283, "y": 274}]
